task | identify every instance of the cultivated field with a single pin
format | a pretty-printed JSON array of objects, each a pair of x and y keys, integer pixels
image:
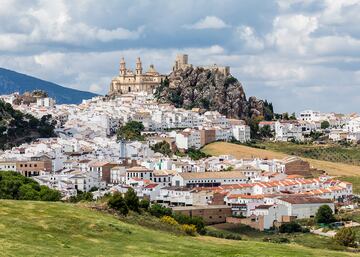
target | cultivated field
[
  {"x": 57, "y": 229},
  {"x": 241, "y": 151},
  {"x": 330, "y": 152}
]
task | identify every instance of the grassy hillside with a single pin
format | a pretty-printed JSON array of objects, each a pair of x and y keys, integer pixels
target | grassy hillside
[
  {"x": 333, "y": 153},
  {"x": 57, "y": 229},
  {"x": 241, "y": 151}
]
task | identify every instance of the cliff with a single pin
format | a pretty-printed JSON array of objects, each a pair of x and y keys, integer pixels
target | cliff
[{"x": 209, "y": 90}]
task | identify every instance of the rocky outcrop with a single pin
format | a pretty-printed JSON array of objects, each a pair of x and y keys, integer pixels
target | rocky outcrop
[{"x": 196, "y": 87}]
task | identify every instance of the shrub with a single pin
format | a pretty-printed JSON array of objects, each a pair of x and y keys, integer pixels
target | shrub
[
  {"x": 221, "y": 234},
  {"x": 324, "y": 215},
  {"x": 277, "y": 240},
  {"x": 131, "y": 200},
  {"x": 169, "y": 220},
  {"x": 158, "y": 211},
  {"x": 189, "y": 229},
  {"x": 47, "y": 194},
  {"x": 130, "y": 131},
  {"x": 197, "y": 221},
  {"x": 82, "y": 196},
  {"x": 15, "y": 186},
  {"x": 346, "y": 237},
  {"x": 144, "y": 204},
  {"x": 196, "y": 154},
  {"x": 163, "y": 148},
  {"x": 290, "y": 227},
  {"x": 117, "y": 203}
]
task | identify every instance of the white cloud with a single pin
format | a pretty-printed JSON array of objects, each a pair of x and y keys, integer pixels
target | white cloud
[
  {"x": 291, "y": 33},
  {"x": 247, "y": 34},
  {"x": 209, "y": 22},
  {"x": 51, "y": 22}
]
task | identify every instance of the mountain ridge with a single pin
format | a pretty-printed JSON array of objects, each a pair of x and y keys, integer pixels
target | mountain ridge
[{"x": 13, "y": 81}]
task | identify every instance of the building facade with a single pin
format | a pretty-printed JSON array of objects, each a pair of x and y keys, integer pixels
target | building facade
[{"x": 128, "y": 81}]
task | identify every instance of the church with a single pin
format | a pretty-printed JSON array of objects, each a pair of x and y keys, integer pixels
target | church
[{"x": 127, "y": 81}]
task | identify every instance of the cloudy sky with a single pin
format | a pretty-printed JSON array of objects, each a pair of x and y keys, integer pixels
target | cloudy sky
[{"x": 297, "y": 54}]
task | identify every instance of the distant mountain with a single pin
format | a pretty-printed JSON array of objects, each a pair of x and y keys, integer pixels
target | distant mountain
[{"x": 11, "y": 81}]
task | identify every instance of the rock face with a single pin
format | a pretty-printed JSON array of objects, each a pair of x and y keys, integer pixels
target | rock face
[{"x": 196, "y": 87}]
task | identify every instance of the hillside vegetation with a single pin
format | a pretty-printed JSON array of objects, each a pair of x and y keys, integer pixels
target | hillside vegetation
[
  {"x": 15, "y": 186},
  {"x": 17, "y": 127},
  {"x": 332, "y": 153},
  {"x": 57, "y": 229},
  {"x": 241, "y": 151}
]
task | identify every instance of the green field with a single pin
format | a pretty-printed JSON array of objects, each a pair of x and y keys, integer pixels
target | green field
[
  {"x": 242, "y": 151},
  {"x": 332, "y": 153},
  {"x": 57, "y": 229},
  {"x": 305, "y": 239}
]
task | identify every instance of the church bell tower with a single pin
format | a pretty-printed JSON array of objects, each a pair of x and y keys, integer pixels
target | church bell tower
[
  {"x": 122, "y": 67},
  {"x": 138, "y": 66}
]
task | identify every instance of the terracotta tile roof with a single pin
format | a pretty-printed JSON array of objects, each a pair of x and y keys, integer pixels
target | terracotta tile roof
[
  {"x": 150, "y": 186},
  {"x": 304, "y": 200},
  {"x": 243, "y": 196},
  {"x": 138, "y": 169},
  {"x": 212, "y": 175}
]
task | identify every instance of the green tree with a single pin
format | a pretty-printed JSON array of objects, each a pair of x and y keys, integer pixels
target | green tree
[
  {"x": 324, "y": 215},
  {"x": 144, "y": 204},
  {"x": 290, "y": 227},
  {"x": 15, "y": 186},
  {"x": 131, "y": 200},
  {"x": 47, "y": 194},
  {"x": 163, "y": 148},
  {"x": 325, "y": 124},
  {"x": 293, "y": 116},
  {"x": 196, "y": 154},
  {"x": 285, "y": 116},
  {"x": 158, "y": 210},
  {"x": 131, "y": 131},
  {"x": 82, "y": 196},
  {"x": 346, "y": 237},
  {"x": 265, "y": 131},
  {"x": 27, "y": 192},
  {"x": 254, "y": 126},
  {"x": 268, "y": 111},
  {"x": 117, "y": 203}
]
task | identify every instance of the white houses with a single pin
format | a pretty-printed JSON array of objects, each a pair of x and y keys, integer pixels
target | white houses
[
  {"x": 189, "y": 138},
  {"x": 139, "y": 172},
  {"x": 208, "y": 178},
  {"x": 287, "y": 130},
  {"x": 241, "y": 133},
  {"x": 118, "y": 175},
  {"x": 304, "y": 207}
]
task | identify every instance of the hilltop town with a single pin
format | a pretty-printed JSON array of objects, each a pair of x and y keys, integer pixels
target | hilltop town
[{"x": 90, "y": 154}]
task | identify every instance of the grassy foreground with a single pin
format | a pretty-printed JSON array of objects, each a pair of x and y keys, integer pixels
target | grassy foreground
[
  {"x": 57, "y": 229},
  {"x": 241, "y": 151}
]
